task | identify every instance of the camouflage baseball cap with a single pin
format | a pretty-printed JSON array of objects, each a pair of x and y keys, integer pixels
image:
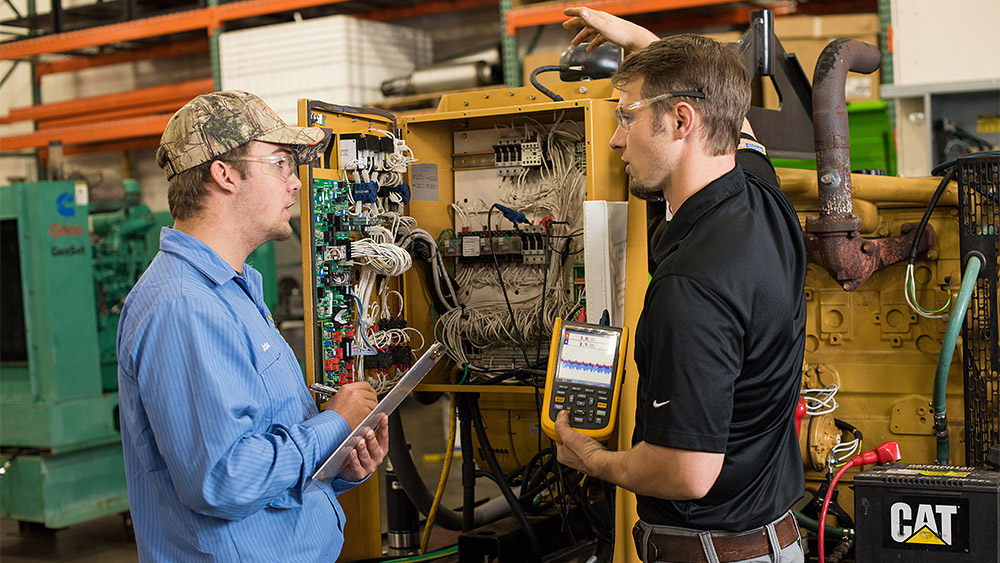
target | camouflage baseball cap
[{"x": 215, "y": 123}]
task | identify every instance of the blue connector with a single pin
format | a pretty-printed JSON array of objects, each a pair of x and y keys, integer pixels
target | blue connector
[{"x": 511, "y": 215}]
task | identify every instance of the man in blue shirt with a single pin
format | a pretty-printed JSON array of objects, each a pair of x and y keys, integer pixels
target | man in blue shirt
[{"x": 219, "y": 432}]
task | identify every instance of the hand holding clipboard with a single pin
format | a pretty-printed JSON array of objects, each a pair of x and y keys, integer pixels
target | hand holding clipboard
[{"x": 332, "y": 466}]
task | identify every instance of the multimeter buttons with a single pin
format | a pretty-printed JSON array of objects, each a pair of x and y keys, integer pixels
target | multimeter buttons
[{"x": 588, "y": 406}]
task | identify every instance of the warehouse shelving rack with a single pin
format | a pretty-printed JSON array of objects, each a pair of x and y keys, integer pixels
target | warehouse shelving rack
[{"x": 146, "y": 112}]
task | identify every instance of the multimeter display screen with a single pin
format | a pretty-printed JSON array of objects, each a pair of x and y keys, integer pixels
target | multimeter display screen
[{"x": 587, "y": 356}]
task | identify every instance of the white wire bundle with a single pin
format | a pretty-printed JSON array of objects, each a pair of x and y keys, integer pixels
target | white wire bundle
[
  {"x": 488, "y": 325},
  {"x": 845, "y": 450},
  {"x": 380, "y": 254},
  {"x": 484, "y": 325},
  {"x": 559, "y": 189},
  {"x": 446, "y": 293},
  {"x": 397, "y": 159},
  {"x": 909, "y": 291},
  {"x": 820, "y": 401},
  {"x": 461, "y": 214},
  {"x": 482, "y": 275}
]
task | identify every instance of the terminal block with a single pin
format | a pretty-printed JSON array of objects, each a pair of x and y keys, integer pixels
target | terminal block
[
  {"x": 526, "y": 246},
  {"x": 511, "y": 156}
]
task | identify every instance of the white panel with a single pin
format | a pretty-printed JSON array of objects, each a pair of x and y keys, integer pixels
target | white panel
[
  {"x": 337, "y": 59},
  {"x": 605, "y": 229},
  {"x": 935, "y": 42}
]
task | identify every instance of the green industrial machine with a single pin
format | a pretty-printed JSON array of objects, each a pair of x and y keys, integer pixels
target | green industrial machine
[
  {"x": 66, "y": 266},
  {"x": 64, "y": 274}
]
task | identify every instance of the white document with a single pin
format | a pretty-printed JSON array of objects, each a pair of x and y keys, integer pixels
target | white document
[{"x": 605, "y": 231}]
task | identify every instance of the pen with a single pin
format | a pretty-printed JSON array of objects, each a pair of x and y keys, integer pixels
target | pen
[{"x": 324, "y": 391}]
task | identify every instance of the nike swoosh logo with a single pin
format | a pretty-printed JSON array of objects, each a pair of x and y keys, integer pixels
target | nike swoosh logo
[{"x": 658, "y": 404}]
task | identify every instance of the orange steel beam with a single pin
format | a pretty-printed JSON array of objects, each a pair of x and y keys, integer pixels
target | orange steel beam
[
  {"x": 168, "y": 107},
  {"x": 429, "y": 8},
  {"x": 250, "y": 8},
  {"x": 118, "y": 130},
  {"x": 155, "y": 26},
  {"x": 142, "y": 97},
  {"x": 150, "y": 53},
  {"x": 740, "y": 15},
  {"x": 553, "y": 13},
  {"x": 671, "y": 22},
  {"x": 113, "y": 146}
]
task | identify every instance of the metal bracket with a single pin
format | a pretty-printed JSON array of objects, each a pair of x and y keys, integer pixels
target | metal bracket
[{"x": 786, "y": 132}]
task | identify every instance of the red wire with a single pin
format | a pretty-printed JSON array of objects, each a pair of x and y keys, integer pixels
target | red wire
[{"x": 826, "y": 506}]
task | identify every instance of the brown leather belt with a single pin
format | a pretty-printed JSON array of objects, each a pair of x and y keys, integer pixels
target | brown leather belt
[{"x": 688, "y": 549}]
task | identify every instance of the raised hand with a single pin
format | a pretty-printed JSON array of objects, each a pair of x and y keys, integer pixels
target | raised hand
[{"x": 600, "y": 27}]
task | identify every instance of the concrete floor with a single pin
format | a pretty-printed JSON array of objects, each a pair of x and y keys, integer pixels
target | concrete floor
[{"x": 109, "y": 540}]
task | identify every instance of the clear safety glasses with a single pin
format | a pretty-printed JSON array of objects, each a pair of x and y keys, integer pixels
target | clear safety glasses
[
  {"x": 284, "y": 163},
  {"x": 626, "y": 120}
]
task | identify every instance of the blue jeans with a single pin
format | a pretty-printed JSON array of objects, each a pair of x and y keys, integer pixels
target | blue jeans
[{"x": 792, "y": 553}]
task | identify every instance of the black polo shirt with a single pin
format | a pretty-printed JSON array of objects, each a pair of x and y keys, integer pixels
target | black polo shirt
[{"x": 719, "y": 348}]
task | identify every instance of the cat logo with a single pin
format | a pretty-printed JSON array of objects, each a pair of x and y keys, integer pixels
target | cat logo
[{"x": 927, "y": 524}]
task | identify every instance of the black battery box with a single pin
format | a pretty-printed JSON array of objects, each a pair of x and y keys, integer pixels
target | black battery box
[{"x": 927, "y": 514}]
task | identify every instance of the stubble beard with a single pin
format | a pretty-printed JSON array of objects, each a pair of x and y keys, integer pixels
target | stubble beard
[
  {"x": 282, "y": 234},
  {"x": 643, "y": 191}
]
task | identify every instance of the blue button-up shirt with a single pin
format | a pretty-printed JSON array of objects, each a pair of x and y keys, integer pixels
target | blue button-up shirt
[{"x": 219, "y": 432}]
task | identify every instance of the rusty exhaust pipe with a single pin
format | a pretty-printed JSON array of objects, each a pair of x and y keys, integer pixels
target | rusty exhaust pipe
[
  {"x": 831, "y": 133},
  {"x": 833, "y": 239}
]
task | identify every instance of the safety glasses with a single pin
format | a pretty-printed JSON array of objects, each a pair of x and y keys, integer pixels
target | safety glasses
[
  {"x": 283, "y": 162},
  {"x": 625, "y": 120}
]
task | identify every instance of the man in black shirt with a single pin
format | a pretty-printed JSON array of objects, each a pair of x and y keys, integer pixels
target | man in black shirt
[{"x": 715, "y": 461}]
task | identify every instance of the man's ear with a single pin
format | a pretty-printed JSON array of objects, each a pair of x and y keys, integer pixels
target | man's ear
[
  {"x": 685, "y": 119},
  {"x": 224, "y": 175}
]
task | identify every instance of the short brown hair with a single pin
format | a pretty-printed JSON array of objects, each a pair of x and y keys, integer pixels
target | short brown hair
[
  {"x": 188, "y": 189},
  {"x": 694, "y": 62}
]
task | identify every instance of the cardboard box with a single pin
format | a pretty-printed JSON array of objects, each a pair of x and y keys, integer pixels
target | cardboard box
[{"x": 807, "y": 36}]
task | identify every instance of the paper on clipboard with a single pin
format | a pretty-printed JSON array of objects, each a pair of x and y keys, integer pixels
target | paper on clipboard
[{"x": 331, "y": 467}]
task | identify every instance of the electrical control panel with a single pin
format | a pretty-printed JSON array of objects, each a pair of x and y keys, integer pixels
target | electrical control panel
[
  {"x": 354, "y": 230},
  {"x": 332, "y": 226},
  {"x": 509, "y": 177}
]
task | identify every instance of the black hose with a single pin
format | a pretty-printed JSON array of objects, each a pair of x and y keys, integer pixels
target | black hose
[
  {"x": 416, "y": 489},
  {"x": 847, "y": 427},
  {"x": 927, "y": 213},
  {"x": 468, "y": 465},
  {"x": 546, "y": 68},
  {"x": 409, "y": 478},
  {"x": 472, "y": 402}
]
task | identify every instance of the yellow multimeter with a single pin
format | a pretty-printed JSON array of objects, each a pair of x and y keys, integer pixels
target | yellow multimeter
[{"x": 584, "y": 377}]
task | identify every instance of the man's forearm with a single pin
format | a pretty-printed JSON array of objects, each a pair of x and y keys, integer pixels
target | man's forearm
[{"x": 656, "y": 471}]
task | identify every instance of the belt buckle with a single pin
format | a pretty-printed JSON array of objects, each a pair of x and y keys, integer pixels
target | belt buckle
[{"x": 652, "y": 551}]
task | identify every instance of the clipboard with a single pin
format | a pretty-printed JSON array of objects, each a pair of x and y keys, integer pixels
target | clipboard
[{"x": 333, "y": 464}]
